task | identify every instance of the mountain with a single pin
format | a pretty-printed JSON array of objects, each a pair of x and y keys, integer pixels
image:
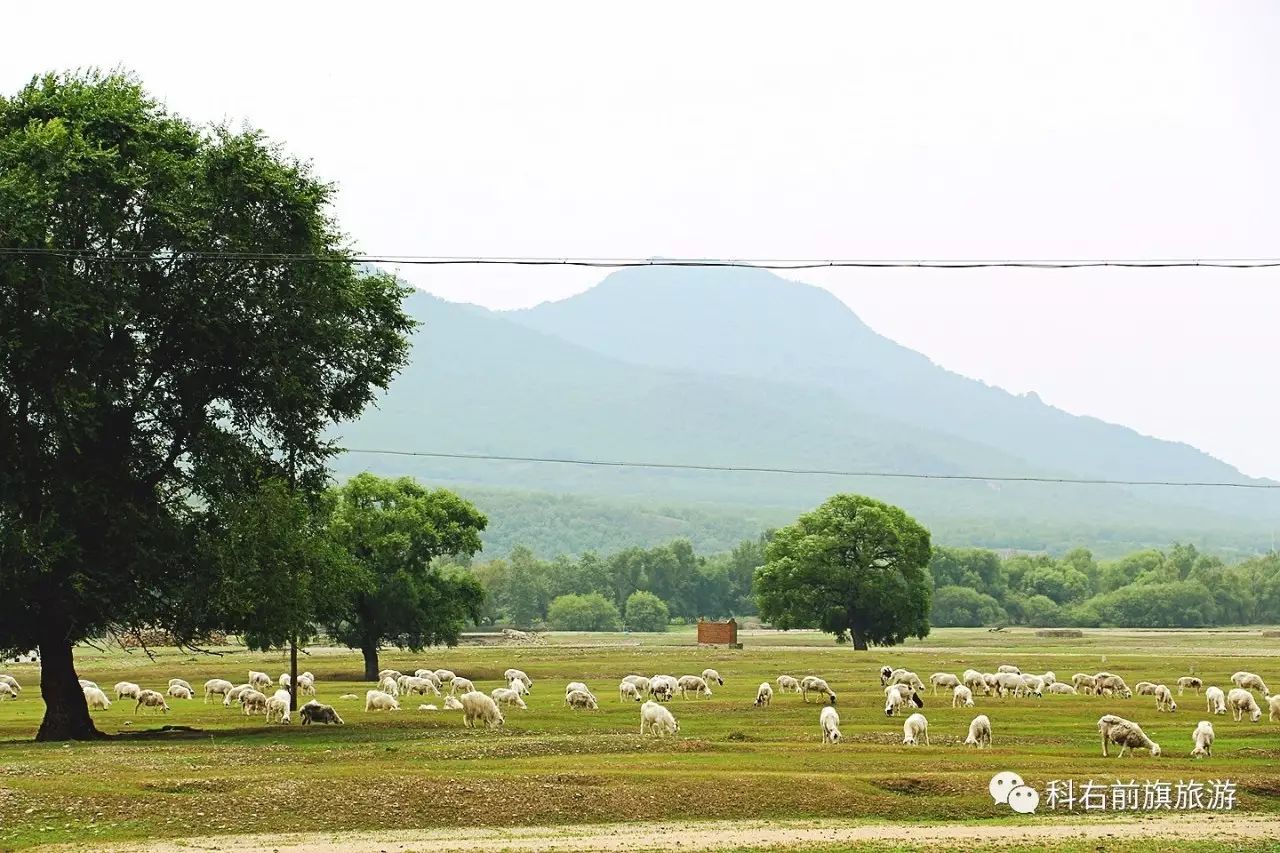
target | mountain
[{"x": 742, "y": 368}]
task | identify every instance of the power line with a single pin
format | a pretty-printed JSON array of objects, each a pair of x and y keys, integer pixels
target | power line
[
  {"x": 619, "y": 263},
  {"x": 760, "y": 469}
]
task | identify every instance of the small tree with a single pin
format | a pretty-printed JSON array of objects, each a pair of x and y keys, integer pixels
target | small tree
[
  {"x": 961, "y": 607},
  {"x": 646, "y": 612},
  {"x": 854, "y": 567},
  {"x": 391, "y": 530},
  {"x": 590, "y": 612}
]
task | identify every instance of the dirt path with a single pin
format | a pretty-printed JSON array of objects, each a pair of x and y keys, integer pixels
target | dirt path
[{"x": 616, "y": 838}]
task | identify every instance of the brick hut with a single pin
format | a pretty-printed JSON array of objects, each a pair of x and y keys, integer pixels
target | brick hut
[{"x": 718, "y": 633}]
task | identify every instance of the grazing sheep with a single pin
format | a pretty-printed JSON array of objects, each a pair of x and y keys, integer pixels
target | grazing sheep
[
  {"x": 628, "y": 690},
  {"x": 942, "y": 679},
  {"x": 1105, "y": 684},
  {"x": 151, "y": 699},
  {"x": 906, "y": 676},
  {"x": 710, "y": 675},
  {"x": 1032, "y": 685},
  {"x": 1164, "y": 699},
  {"x": 662, "y": 687},
  {"x": 1061, "y": 687},
  {"x": 480, "y": 707},
  {"x": 389, "y": 685},
  {"x": 253, "y": 701},
  {"x": 95, "y": 698},
  {"x": 974, "y": 680},
  {"x": 1125, "y": 733},
  {"x": 413, "y": 684},
  {"x": 913, "y": 729},
  {"x": 507, "y": 696},
  {"x": 693, "y": 684},
  {"x": 259, "y": 680},
  {"x": 894, "y": 702},
  {"x": 656, "y": 719},
  {"x": 829, "y": 723},
  {"x": 1008, "y": 668},
  {"x": 1202, "y": 739},
  {"x": 460, "y": 685},
  {"x": 1249, "y": 681},
  {"x": 1145, "y": 688},
  {"x": 764, "y": 695},
  {"x": 314, "y": 712},
  {"x": 7, "y": 691},
  {"x": 518, "y": 675},
  {"x": 443, "y": 675},
  {"x": 519, "y": 686},
  {"x": 127, "y": 689},
  {"x": 992, "y": 681},
  {"x": 1008, "y": 683},
  {"x": 283, "y": 680},
  {"x": 787, "y": 684},
  {"x": 14, "y": 686},
  {"x": 1273, "y": 703},
  {"x": 216, "y": 687},
  {"x": 178, "y": 691},
  {"x": 451, "y": 703},
  {"x": 1189, "y": 681},
  {"x": 380, "y": 700},
  {"x": 814, "y": 684},
  {"x": 279, "y": 706},
  {"x": 1049, "y": 678},
  {"x": 306, "y": 685},
  {"x": 979, "y": 732},
  {"x": 581, "y": 699},
  {"x": 84, "y": 682},
  {"x": 1241, "y": 701},
  {"x": 1084, "y": 682},
  {"x": 641, "y": 682},
  {"x": 388, "y": 673},
  {"x": 235, "y": 694},
  {"x": 183, "y": 682},
  {"x": 1215, "y": 700},
  {"x": 886, "y": 672},
  {"x": 961, "y": 697},
  {"x": 429, "y": 674},
  {"x": 576, "y": 685}
]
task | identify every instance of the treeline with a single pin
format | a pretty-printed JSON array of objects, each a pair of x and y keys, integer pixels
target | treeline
[{"x": 1178, "y": 588}]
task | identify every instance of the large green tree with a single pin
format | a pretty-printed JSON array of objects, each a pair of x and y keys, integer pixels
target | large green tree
[
  {"x": 854, "y": 567},
  {"x": 392, "y": 531},
  {"x": 180, "y": 322}
]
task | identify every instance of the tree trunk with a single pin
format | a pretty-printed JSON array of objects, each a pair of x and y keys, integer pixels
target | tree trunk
[
  {"x": 859, "y": 641},
  {"x": 293, "y": 675},
  {"x": 370, "y": 662},
  {"x": 66, "y": 713}
]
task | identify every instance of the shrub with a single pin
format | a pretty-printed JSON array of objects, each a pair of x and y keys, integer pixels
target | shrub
[
  {"x": 646, "y": 612},
  {"x": 590, "y": 612}
]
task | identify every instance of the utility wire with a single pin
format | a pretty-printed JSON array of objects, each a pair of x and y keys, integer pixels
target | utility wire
[{"x": 760, "y": 469}]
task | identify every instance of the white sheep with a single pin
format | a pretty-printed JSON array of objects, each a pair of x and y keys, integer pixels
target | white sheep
[
  {"x": 432, "y": 707},
  {"x": 1145, "y": 688},
  {"x": 389, "y": 685},
  {"x": 253, "y": 701},
  {"x": 388, "y": 673},
  {"x": 12, "y": 682},
  {"x": 975, "y": 680},
  {"x": 451, "y": 703},
  {"x": 84, "y": 682},
  {"x": 640, "y": 681},
  {"x": 1084, "y": 682},
  {"x": 260, "y": 680},
  {"x": 480, "y": 707},
  {"x": 507, "y": 696},
  {"x": 1008, "y": 668},
  {"x": 1164, "y": 699},
  {"x": 913, "y": 729},
  {"x": 906, "y": 676},
  {"x": 1049, "y": 678},
  {"x": 151, "y": 699},
  {"x": 787, "y": 684},
  {"x": 1189, "y": 681},
  {"x": 1008, "y": 683},
  {"x": 943, "y": 679},
  {"x": 829, "y": 723},
  {"x": 1105, "y": 684},
  {"x": 581, "y": 699},
  {"x": 95, "y": 698},
  {"x": 764, "y": 695},
  {"x": 710, "y": 675},
  {"x": 183, "y": 682},
  {"x": 897, "y": 700},
  {"x": 429, "y": 674},
  {"x": 662, "y": 687},
  {"x": 216, "y": 687},
  {"x": 235, "y": 694},
  {"x": 1032, "y": 685},
  {"x": 380, "y": 700},
  {"x": 1241, "y": 701},
  {"x": 127, "y": 689},
  {"x": 628, "y": 690},
  {"x": 518, "y": 675},
  {"x": 692, "y": 684},
  {"x": 1062, "y": 688},
  {"x": 413, "y": 684},
  {"x": 459, "y": 685},
  {"x": 443, "y": 675},
  {"x": 278, "y": 706},
  {"x": 307, "y": 685},
  {"x": 283, "y": 680},
  {"x": 814, "y": 684},
  {"x": 1202, "y": 740},
  {"x": 886, "y": 672},
  {"x": 1215, "y": 700},
  {"x": 1126, "y": 733},
  {"x": 519, "y": 686},
  {"x": 1250, "y": 681},
  {"x": 656, "y": 719},
  {"x": 961, "y": 697},
  {"x": 314, "y": 712},
  {"x": 979, "y": 732},
  {"x": 1273, "y": 703},
  {"x": 576, "y": 685},
  {"x": 180, "y": 691},
  {"x": 7, "y": 691}
]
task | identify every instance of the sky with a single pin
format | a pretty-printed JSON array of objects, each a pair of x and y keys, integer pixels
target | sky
[{"x": 802, "y": 130}]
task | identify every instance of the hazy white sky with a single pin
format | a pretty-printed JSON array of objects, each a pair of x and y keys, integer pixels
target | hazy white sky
[{"x": 874, "y": 130}]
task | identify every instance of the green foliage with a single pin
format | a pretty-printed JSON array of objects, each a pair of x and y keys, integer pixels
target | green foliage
[
  {"x": 855, "y": 567},
  {"x": 646, "y": 612},
  {"x": 961, "y": 607},
  {"x": 1179, "y": 604},
  {"x": 590, "y": 612}
]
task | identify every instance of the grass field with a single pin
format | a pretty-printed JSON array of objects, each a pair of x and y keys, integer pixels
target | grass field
[{"x": 553, "y": 766}]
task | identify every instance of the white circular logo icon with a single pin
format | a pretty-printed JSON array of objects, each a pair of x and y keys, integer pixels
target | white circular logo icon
[
  {"x": 1002, "y": 784},
  {"x": 1023, "y": 799}
]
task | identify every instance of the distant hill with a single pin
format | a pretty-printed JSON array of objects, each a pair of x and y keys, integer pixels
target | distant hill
[{"x": 742, "y": 368}]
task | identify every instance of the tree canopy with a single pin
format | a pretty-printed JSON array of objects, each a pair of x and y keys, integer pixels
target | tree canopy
[{"x": 854, "y": 567}]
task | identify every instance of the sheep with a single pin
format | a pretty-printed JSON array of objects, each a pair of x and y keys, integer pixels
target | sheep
[
  {"x": 1145, "y": 688},
  {"x": 507, "y": 696},
  {"x": 216, "y": 687},
  {"x": 1202, "y": 740},
  {"x": 1164, "y": 699},
  {"x": 389, "y": 685},
  {"x": 1105, "y": 681},
  {"x": 641, "y": 682},
  {"x": 1008, "y": 682},
  {"x": 178, "y": 691},
  {"x": 443, "y": 675},
  {"x": 1008, "y": 668},
  {"x": 886, "y": 672},
  {"x": 787, "y": 684},
  {"x": 1249, "y": 681},
  {"x": 183, "y": 682},
  {"x": 461, "y": 685},
  {"x": 413, "y": 684},
  {"x": 693, "y": 684},
  {"x": 259, "y": 680},
  {"x": 1062, "y": 688},
  {"x": 979, "y": 732},
  {"x": 14, "y": 686},
  {"x": 1240, "y": 700},
  {"x": 94, "y": 698},
  {"x": 575, "y": 685},
  {"x": 581, "y": 699},
  {"x": 894, "y": 702},
  {"x": 126, "y": 689},
  {"x": 480, "y": 707},
  {"x": 1189, "y": 681},
  {"x": 662, "y": 687},
  {"x": 253, "y": 701},
  {"x": 628, "y": 690},
  {"x": 84, "y": 682},
  {"x": 913, "y": 729},
  {"x": 942, "y": 679},
  {"x": 151, "y": 699},
  {"x": 314, "y": 712},
  {"x": 906, "y": 676},
  {"x": 283, "y": 680},
  {"x": 1125, "y": 733},
  {"x": 814, "y": 684},
  {"x": 518, "y": 675},
  {"x": 829, "y": 723},
  {"x": 451, "y": 703},
  {"x": 1083, "y": 682},
  {"x": 764, "y": 695},
  {"x": 657, "y": 720},
  {"x": 429, "y": 674},
  {"x": 1033, "y": 685},
  {"x": 1215, "y": 700},
  {"x": 431, "y": 707},
  {"x": 519, "y": 686},
  {"x": 975, "y": 681},
  {"x": 710, "y": 675},
  {"x": 235, "y": 694},
  {"x": 306, "y": 685},
  {"x": 279, "y": 706},
  {"x": 7, "y": 692},
  {"x": 1049, "y": 678},
  {"x": 992, "y": 681},
  {"x": 388, "y": 673},
  {"x": 1273, "y": 703},
  {"x": 380, "y": 700},
  {"x": 351, "y": 697},
  {"x": 961, "y": 697}
]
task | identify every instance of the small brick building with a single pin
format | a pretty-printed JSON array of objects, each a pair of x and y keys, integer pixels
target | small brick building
[{"x": 718, "y": 633}]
